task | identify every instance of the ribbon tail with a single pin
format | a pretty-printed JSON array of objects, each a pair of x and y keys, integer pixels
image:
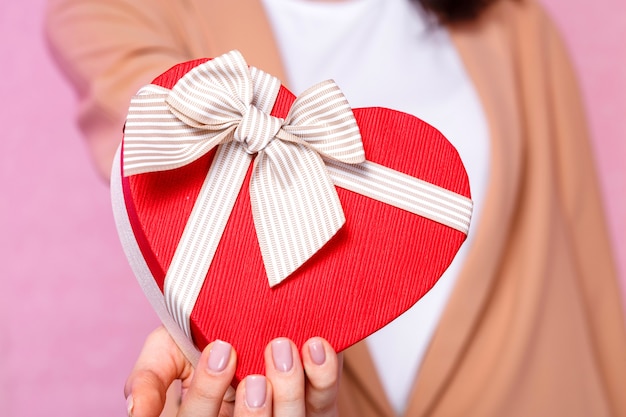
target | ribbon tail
[
  {"x": 295, "y": 207},
  {"x": 203, "y": 232}
]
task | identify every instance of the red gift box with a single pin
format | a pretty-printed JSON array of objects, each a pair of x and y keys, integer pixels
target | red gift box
[{"x": 354, "y": 215}]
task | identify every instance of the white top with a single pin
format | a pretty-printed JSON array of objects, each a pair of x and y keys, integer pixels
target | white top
[{"x": 390, "y": 53}]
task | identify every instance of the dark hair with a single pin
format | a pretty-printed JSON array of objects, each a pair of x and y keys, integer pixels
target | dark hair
[{"x": 449, "y": 11}]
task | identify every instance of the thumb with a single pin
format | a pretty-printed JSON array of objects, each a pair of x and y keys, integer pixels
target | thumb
[{"x": 160, "y": 363}]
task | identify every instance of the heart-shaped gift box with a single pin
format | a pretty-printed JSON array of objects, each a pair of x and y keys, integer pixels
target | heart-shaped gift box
[{"x": 402, "y": 228}]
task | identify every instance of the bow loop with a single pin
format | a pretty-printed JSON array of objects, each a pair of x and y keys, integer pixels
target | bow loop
[
  {"x": 213, "y": 94},
  {"x": 167, "y": 129},
  {"x": 210, "y": 108},
  {"x": 322, "y": 117}
]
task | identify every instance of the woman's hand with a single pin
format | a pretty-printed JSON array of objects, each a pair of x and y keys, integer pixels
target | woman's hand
[{"x": 294, "y": 385}]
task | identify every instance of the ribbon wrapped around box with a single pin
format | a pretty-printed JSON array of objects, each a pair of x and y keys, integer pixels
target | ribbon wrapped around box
[{"x": 249, "y": 214}]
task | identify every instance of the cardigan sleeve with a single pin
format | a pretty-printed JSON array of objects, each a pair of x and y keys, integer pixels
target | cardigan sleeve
[{"x": 108, "y": 49}]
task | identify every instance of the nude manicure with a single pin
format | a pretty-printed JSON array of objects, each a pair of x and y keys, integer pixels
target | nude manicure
[
  {"x": 281, "y": 354},
  {"x": 255, "y": 391},
  {"x": 317, "y": 352},
  {"x": 219, "y": 356}
]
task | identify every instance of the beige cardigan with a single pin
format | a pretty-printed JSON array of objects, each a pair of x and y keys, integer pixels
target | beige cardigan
[{"x": 534, "y": 326}]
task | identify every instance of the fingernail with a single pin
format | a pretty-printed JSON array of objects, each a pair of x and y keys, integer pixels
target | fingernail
[
  {"x": 129, "y": 405},
  {"x": 255, "y": 391},
  {"x": 317, "y": 352},
  {"x": 281, "y": 354},
  {"x": 218, "y": 356}
]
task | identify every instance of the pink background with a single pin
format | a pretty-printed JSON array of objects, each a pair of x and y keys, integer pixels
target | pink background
[{"x": 72, "y": 318}]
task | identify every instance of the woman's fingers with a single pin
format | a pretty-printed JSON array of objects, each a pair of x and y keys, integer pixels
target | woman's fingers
[
  {"x": 159, "y": 364},
  {"x": 283, "y": 392},
  {"x": 284, "y": 371},
  {"x": 295, "y": 395},
  {"x": 322, "y": 367},
  {"x": 205, "y": 391}
]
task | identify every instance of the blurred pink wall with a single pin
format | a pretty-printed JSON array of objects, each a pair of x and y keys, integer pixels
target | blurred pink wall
[
  {"x": 72, "y": 318},
  {"x": 596, "y": 34}
]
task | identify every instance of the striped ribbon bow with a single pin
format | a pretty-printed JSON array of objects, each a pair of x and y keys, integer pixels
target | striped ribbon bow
[{"x": 224, "y": 103}]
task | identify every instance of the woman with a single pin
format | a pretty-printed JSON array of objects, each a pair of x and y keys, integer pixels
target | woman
[{"x": 528, "y": 321}]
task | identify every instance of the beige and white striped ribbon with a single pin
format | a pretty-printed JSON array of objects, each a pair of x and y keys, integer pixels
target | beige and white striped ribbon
[
  {"x": 223, "y": 102},
  {"x": 298, "y": 162}
]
